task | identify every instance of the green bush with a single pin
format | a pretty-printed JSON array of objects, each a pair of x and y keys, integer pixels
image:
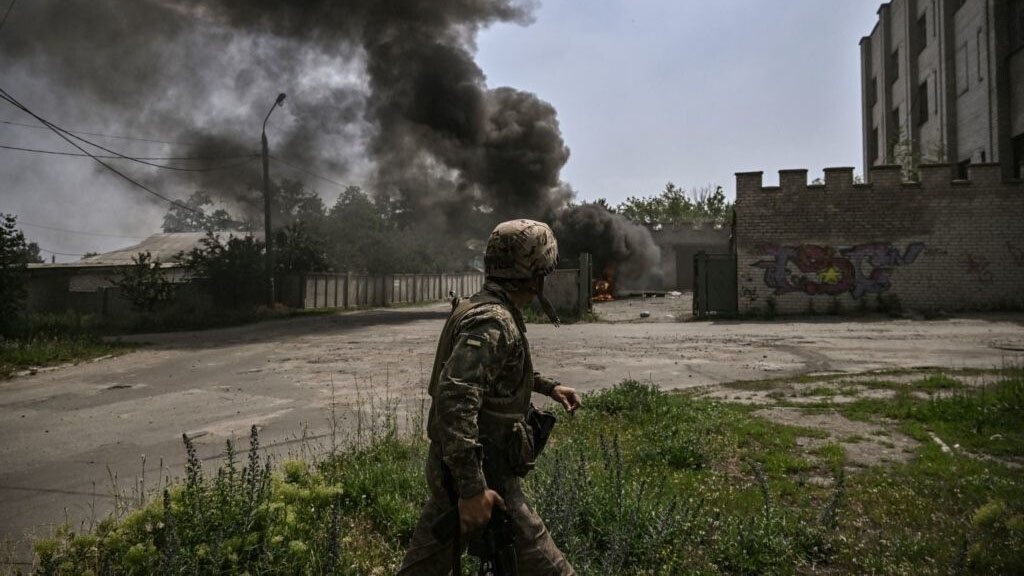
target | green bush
[{"x": 638, "y": 482}]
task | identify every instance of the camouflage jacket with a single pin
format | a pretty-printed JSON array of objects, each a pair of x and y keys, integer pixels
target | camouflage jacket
[{"x": 489, "y": 364}]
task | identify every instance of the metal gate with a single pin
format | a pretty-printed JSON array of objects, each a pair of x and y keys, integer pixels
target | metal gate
[{"x": 714, "y": 284}]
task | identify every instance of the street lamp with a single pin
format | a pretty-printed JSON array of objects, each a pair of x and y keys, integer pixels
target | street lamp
[{"x": 268, "y": 238}]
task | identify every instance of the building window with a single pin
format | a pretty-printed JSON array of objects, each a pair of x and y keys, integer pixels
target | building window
[
  {"x": 1018, "y": 156},
  {"x": 873, "y": 146},
  {"x": 1016, "y": 24},
  {"x": 873, "y": 92},
  {"x": 894, "y": 64},
  {"x": 894, "y": 131},
  {"x": 962, "y": 76},
  {"x": 981, "y": 65},
  {"x": 922, "y": 33},
  {"x": 922, "y": 103},
  {"x": 961, "y": 169}
]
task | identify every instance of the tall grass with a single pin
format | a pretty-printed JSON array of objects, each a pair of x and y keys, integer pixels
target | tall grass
[
  {"x": 639, "y": 482},
  {"x": 46, "y": 339}
]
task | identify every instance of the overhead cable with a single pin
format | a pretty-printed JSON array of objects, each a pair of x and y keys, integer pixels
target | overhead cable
[
  {"x": 13, "y": 101},
  {"x": 310, "y": 173},
  {"x": 47, "y": 250},
  {"x": 82, "y": 232},
  {"x": 85, "y": 133},
  {"x": 248, "y": 158},
  {"x": 60, "y": 153}
]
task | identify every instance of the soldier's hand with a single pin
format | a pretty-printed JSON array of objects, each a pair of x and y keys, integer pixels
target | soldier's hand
[
  {"x": 475, "y": 512},
  {"x": 567, "y": 397}
]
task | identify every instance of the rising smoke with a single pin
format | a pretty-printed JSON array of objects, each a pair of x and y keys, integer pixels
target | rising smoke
[{"x": 385, "y": 89}]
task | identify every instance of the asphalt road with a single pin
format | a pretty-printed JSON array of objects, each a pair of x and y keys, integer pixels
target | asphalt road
[{"x": 72, "y": 434}]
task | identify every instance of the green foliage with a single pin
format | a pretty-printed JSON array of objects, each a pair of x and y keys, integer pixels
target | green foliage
[
  {"x": 232, "y": 268},
  {"x": 143, "y": 283},
  {"x": 989, "y": 417},
  {"x": 44, "y": 339},
  {"x": 902, "y": 152},
  {"x": 15, "y": 255},
  {"x": 675, "y": 206},
  {"x": 374, "y": 235},
  {"x": 190, "y": 216},
  {"x": 298, "y": 249},
  {"x": 358, "y": 233},
  {"x": 639, "y": 482},
  {"x": 998, "y": 539}
]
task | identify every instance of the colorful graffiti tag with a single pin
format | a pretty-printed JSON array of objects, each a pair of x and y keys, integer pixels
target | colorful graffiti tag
[{"x": 857, "y": 270}]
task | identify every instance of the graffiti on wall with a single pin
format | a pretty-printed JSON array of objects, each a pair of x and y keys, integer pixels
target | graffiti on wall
[
  {"x": 749, "y": 294},
  {"x": 977, "y": 266},
  {"x": 813, "y": 269}
]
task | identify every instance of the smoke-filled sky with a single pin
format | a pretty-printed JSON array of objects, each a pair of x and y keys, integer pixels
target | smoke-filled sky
[{"x": 448, "y": 104}]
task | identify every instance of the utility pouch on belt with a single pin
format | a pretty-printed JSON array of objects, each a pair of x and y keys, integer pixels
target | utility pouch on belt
[
  {"x": 541, "y": 422},
  {"x": 527, "y": 439}
]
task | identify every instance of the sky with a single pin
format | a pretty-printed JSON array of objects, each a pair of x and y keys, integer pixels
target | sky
[
  {"x": 646, "y": 93},
  {"x": 649, "y": 92}
]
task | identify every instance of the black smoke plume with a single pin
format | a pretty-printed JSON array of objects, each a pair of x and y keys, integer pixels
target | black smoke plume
[
  {"x": 387, "y": 90},
  {"x": 619, "y": 247}
]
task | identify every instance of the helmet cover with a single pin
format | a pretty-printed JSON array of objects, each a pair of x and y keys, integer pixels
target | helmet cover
[{"x": 520, "y": 249}]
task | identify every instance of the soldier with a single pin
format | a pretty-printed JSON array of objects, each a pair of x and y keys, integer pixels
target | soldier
[{"x": 480, "y": 392}]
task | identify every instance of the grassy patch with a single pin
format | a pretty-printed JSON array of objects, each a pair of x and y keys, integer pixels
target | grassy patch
[
  {"x": 639, "y": 482},
  {"x": 988, "y": 418},
  {"x": 46, "y": 340}
]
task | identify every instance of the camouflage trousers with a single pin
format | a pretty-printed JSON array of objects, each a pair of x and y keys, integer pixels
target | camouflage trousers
[{"x": 536, "y": 552}]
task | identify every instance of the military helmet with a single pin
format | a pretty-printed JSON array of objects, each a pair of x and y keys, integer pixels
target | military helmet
[{"x": 520, "y": 249}]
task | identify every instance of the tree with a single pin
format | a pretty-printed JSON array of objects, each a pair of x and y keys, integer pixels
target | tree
[
  {"x": 603, "y": 203},
  {"x": 143, "y": 283},
  {"x": 292, "y": 202},
  {"x": 231, "y": 268},
  {"x": 297, "y": 250},
  {"x": 15, "y": 255},
  {"x": 674, "y": 206},
  {"x": 191, "y": 216}
]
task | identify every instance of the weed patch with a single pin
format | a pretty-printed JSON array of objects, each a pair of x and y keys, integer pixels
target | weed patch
[
  {"x": 638, "y": 482},
  {"x": 46, "y": 340}
]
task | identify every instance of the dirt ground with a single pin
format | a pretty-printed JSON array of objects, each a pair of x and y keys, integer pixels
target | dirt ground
[{"x": 72, "y": 434}]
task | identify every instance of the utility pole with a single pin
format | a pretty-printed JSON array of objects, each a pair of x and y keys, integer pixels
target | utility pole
[{"x": 268, "y": 237}]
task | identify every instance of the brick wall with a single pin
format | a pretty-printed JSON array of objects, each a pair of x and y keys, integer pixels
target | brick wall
[{"x": 841, "y": 247}]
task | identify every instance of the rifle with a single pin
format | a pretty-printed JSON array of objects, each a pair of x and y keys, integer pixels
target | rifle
[{"x": 496, "y": 547}]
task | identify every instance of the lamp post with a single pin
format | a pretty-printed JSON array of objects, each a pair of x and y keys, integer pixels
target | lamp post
[{"x": 268, "y": 237}]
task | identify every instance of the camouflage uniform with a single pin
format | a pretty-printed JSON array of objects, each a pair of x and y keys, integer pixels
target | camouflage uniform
[{"x": 481, "y": 392}]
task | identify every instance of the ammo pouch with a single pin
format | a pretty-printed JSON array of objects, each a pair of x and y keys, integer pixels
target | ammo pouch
[{"x": 526, "y": 439}]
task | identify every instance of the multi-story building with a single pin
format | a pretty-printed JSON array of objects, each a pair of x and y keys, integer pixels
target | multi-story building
[{"x": 943, "y": 81}]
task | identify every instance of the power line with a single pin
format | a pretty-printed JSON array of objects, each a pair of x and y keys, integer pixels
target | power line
[
  {"x": 6, "y": 14},
  {"x": 248, "y": 158},
  {"x": 82, "y": 232},
  {"x": 57, "y": 253},
  {"x": 133, "y": 159},
  {"x": 85, "y": 133},
  {"x": 13, "y": 101},
  {"x": 310, "y": 173}
]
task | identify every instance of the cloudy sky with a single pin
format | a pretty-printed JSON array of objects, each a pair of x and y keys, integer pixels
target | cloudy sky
[
  {"x": 646, "y": 92},
  {"x": 691, "y": 92}
]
